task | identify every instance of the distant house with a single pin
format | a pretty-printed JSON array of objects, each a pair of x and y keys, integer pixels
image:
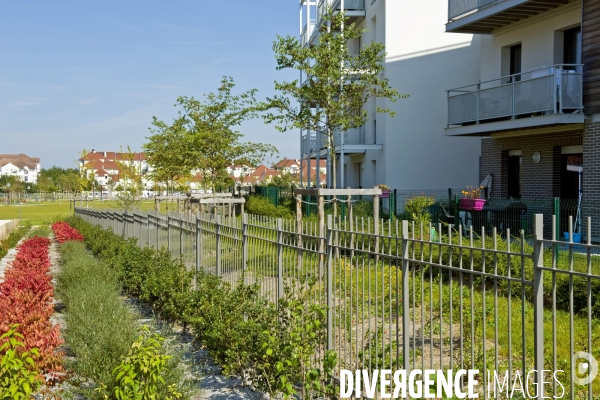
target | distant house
[
  {"x": 105, "y": 165},
  {"x": 302, "y": 168},
  {"x": 22, "y": 166}
]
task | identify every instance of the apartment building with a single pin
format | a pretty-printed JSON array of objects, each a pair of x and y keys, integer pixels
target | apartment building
[
  {"x": 536, "y": 96},
  {"x": 25, "y": 168},
  {"x": 104, "y": 165},
  {"x": 535, "y": 100},
  {"x": 409, "y": 151}
]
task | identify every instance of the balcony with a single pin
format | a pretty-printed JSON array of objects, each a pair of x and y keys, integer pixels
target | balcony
[
  {"x": 307, "y": 33},
  {"x": 354, "y": 9},
  {"x": 545, "y": 97},
  {"x": 483, "y": 16},
  {"x": 350, "y": 142}
]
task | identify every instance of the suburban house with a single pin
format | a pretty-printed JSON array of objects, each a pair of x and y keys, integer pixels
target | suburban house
[
  {"x": 409, "y": 151},
  {"x": 25, "y": 168},
  {"x": 533, "y": 95},
  {"x": 303, "y": 168}
]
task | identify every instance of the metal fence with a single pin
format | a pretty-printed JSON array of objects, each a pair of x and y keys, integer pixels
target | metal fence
[{"x": 402, "y": 296}]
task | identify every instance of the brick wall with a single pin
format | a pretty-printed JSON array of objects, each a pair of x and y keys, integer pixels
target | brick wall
[
  {"x": 591, "y": 159},
  {"x": 539, "y": 180}
]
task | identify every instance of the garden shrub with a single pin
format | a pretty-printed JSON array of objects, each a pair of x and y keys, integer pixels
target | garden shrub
[
  {"x": 19, "y": 377},
  {"x": 141, "y": 374},
  {"x": 259, "y": 205}
]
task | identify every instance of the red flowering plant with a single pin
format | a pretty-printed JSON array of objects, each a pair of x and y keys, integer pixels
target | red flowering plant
[
  {"x": 64, "y": 232},
  {"x": 26, "y": 296}
]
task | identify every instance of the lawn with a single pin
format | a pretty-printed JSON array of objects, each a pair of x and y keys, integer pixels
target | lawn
[{"x": 41, "y": 213}]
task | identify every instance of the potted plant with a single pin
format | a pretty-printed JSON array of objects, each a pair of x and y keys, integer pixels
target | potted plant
[
  {"x": 385, "y": 190},
  {"x": 471, "y": 199}
]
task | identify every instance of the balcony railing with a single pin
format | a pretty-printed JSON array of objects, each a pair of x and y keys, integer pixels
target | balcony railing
[
  {"x": 456, "y": 8},
  {"x": 351, "y": 136},
  {"x": 307, "y": 31},
  {"x": 540, "y": 91}
]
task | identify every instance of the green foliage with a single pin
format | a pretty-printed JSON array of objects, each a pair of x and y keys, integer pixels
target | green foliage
[
  {"x": 140, "y": 374},
  {"x": 205, "y": 133},
  {"x": 18, "y": 376},
  {"x": 259, "y": 205},
  {"x": 57, "y": 179},
  {"x": 100, "y": 328},
  {"x": 233, "y": 323},
  {"x": 287, "y": 348},
  {"x": 337, "y": 86},
  {"x": 129, "y": 189},
  {"x": 417, "y": 209}
]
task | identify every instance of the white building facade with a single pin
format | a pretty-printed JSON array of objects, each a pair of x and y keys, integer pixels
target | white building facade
[
  {"x": 410, "y": 151},
  {"x": 25, "y": 168}
]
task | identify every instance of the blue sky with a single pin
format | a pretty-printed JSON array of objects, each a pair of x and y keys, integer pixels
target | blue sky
[{"x": 91, "y": 74}]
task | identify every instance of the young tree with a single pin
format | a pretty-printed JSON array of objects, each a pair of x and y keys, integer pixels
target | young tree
[
  {"x": 206, "y": 132},
  {"x": 337, "y": 85},
  {"x": 129, "y": 188},
  {"x": 86, "y": 173},
  {"x": 167, "y": 152}
]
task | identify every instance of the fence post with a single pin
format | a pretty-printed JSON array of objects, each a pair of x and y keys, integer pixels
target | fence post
[
  {"x": 169, "y": 230},
  {"x": 538, "y": 299},
  {"x": 279, "y": 258},
  {"x": 198, "y": 250},
  {"x": 299, "y": 229},
  {"x": 405, "y": 294},
  {"x": 321, "y": 202},
  {"x": 329, "y": 282},
  {"x": 218, "y": 240},
  {"x": 244, "y": 241},
  {"x": 180, "y": 233}
]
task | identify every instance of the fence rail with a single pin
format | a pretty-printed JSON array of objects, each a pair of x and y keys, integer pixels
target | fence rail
[{"x": 408, "y": 296}]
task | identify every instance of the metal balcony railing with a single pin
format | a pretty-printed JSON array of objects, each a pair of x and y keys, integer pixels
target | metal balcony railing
[
  {"x": 307, "y": 31},
  {"x": 540, "y": 91},
  {"x": 309, "y": 143},
  {"x": 456, "y": 8},
  {"x": 351, "y": 136}
]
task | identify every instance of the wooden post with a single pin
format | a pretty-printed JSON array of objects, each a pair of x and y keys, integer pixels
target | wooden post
[
  {"x": 299, "y": 228},
  {"x": 156, "y": 204}
]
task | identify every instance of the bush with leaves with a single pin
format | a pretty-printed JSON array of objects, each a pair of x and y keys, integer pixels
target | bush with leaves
[
  {"x": 141, "y": 374},
  {"x": 19, "y": 377},
  {"x": 259, "y": 205}
]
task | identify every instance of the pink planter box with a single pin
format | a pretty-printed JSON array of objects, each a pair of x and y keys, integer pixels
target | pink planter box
[{"x": 472, "y": 204}]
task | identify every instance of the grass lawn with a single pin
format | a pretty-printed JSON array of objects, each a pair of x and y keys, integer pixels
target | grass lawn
[{"x": 42, "y": 212}]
